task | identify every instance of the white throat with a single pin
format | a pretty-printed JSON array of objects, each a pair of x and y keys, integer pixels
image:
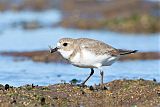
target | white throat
[{"x": 65, "y": 54}]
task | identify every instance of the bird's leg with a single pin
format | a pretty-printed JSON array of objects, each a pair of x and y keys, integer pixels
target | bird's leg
[
  {"x": 101, "y": 73},
  {"x": 92, "y": 72},
  {"x": 102, "y": 85}
]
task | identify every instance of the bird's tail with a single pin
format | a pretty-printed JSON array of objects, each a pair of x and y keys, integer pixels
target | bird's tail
[{"x": 125, "y": 52}]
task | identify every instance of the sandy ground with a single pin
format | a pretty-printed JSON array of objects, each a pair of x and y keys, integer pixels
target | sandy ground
[{"x": 118, "y": 93}]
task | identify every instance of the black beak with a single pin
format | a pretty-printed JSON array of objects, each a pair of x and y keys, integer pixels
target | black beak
[{"x": 53, "y": 50}]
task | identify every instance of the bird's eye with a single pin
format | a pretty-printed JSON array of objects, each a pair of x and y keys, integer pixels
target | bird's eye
[{"x": 65, "y": 44}]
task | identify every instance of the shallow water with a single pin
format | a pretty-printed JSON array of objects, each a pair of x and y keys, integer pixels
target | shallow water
[
  {"x": 17, "y": 72},
  {"x": 18, "y": 39},
  {"x": 29, "y": 40},
  {"x": 8, "y": 18}
]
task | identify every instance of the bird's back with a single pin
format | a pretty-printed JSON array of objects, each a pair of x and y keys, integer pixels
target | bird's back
[{"x": 95, "y": 46}]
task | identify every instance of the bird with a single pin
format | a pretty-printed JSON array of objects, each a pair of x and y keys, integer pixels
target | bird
[{"x": 89, "y": 53}]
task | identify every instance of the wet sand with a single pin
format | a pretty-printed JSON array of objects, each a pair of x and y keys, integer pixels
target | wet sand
[{"x": 118, "y": 93}]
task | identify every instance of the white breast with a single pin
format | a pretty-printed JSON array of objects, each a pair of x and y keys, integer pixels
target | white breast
[
  {"x": 89, "y": 59},
  {"x": 76, "y": 58}
]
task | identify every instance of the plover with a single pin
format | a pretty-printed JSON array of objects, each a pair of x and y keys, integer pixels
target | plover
[{"x": 89, "y": 53}]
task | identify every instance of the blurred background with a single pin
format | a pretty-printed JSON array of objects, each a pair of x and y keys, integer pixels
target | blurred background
[{"x": 28, "y": 27}]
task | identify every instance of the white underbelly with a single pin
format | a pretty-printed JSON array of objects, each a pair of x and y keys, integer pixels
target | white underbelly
[{"x": 86, "y": 59}]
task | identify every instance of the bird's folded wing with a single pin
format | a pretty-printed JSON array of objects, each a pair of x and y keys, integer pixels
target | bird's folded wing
[{"x": 98, "y": 47}]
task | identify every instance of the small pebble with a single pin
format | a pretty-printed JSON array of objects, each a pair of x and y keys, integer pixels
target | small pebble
[
  {"x": 158, "y": 93},
  {"x": 6, "y": 87},
  {"x": 55, "y": 97},
  {"x": 14, "y": 102},
  {"x": 33, "y": 86},
  {"x": 82, "y": 92},
  {"x": 105, "y": 88},
  {"x": 154, "y": 80},
  {"x": 91, "y": 88},
  {"x": 43, "y": 101}
]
